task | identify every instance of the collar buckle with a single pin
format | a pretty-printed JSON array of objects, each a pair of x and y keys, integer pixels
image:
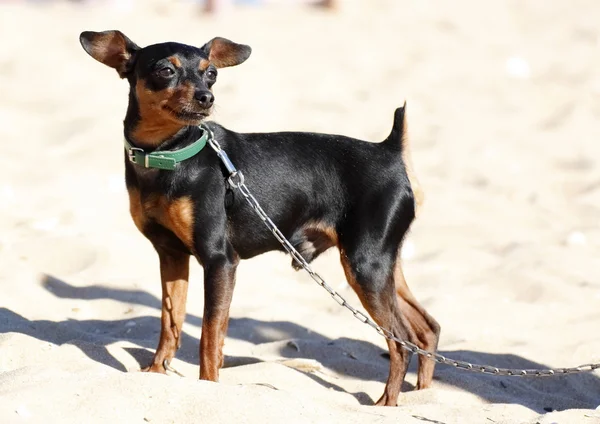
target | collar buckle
[{"x": 132, "y": 155}]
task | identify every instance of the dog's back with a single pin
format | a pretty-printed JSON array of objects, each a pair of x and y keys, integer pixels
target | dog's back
[{"x": 311, "y": 180}]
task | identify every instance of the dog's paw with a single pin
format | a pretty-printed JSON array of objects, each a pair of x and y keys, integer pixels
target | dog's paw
[
  {"x": 386, "y": 400},
  {"x": 157, "y": 368}
]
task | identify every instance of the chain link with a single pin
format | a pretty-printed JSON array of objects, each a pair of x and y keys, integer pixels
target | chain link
[{"x": 236, "y": 181}]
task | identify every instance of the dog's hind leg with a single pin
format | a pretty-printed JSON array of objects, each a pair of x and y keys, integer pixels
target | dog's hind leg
[
  {"x": 368, "y": 252},
  {"x": 375, "y": 290},
  {"x": 425, "y": 327}
]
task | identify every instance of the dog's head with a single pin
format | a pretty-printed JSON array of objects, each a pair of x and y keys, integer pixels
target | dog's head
[{"x": 171, "y": 83}]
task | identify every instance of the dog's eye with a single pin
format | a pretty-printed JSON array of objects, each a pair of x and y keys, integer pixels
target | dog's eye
[
  {"x": 210, "y": 74},
  {"x": 165, "y": 72}
]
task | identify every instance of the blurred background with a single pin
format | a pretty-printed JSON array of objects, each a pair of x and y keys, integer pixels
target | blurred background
[
  {"x": 503, "y": 106},
  {"x": 503, "y": 115}
]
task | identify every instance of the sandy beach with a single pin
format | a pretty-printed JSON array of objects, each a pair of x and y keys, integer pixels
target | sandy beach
[{"x": 504, "y": 121}]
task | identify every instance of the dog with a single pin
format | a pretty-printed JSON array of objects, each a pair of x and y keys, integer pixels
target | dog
[{"x": 321, "y": 190}]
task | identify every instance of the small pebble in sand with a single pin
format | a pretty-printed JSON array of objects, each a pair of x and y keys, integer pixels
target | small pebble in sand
[
  {"x": 23, "y": 411},
  {"x": 350, "y": 355},
  {"x": 518, "y": 67},
  {"x": 130, "y": 324},
  {"x": 576, "y": 238}
]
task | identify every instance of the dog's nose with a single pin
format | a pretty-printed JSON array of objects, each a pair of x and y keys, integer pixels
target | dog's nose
[{"x": 205, "y": 98}]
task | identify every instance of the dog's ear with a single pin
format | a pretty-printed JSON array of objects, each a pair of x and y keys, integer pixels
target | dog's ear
[
  {"x": 112, "y": 48},
  {"x": 222, "y": 52}
]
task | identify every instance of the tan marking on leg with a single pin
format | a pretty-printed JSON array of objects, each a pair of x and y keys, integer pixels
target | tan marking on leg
[
  {"x": 318, "y": 238},
  {"x": 322, "y": 235},
  {"x": 209, "y": 350},
  {"x": 385, "y": 312},
  {"x": 325, "y": 229},
  {"x": 424, "y": 326},
  {"x": 218, "y": 287},
  {"x": 174, "y": 272}
]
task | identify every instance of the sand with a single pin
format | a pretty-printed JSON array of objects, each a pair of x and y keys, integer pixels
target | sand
[{"x": 503, "y": 111}]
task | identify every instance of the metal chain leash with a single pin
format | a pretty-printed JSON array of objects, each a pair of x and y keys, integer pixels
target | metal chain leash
[{"x": 236, "y": 181}]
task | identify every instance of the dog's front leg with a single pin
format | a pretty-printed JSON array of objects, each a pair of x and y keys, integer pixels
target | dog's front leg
[
  {"x": 219, "y": 282},
  {"x": 174, "y": 273}
]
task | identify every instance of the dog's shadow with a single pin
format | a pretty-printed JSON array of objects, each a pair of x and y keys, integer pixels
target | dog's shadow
[{"x": 341, "y": 355}]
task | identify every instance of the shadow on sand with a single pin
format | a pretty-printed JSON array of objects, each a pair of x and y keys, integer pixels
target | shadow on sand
[{"x": 538, "y": 394}]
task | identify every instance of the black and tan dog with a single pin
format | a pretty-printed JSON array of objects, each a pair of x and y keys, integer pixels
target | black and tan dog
[{"x": 320, "y": 190}]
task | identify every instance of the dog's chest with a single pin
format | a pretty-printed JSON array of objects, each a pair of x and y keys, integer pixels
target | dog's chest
[{"x": 176, "y": 215}]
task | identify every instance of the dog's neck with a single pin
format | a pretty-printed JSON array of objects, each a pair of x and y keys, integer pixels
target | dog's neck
[
  {"x": 147, "y": 176},
  {"x": 156, "y": 134},
  {"x": 156, "y": 143}
]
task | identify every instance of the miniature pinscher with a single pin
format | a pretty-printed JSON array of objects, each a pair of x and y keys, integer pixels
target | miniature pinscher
[{"x": 321, "y": 191}]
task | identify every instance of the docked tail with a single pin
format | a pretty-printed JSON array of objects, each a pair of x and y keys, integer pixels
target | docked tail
[
  {"x": 398, "y": 140},
  {"x": 397, "y": 137}
]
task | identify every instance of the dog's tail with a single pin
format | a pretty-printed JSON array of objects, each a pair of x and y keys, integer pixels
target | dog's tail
[
  {"x": 398, "y": 141},
  {"x": 397, "y": 138}
]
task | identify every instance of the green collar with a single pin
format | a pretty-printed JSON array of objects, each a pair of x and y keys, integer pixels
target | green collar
[{"x": 165, "y": 159}]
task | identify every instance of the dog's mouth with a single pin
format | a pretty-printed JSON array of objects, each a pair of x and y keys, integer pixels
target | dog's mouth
[{"x": 188, "y": 115}]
